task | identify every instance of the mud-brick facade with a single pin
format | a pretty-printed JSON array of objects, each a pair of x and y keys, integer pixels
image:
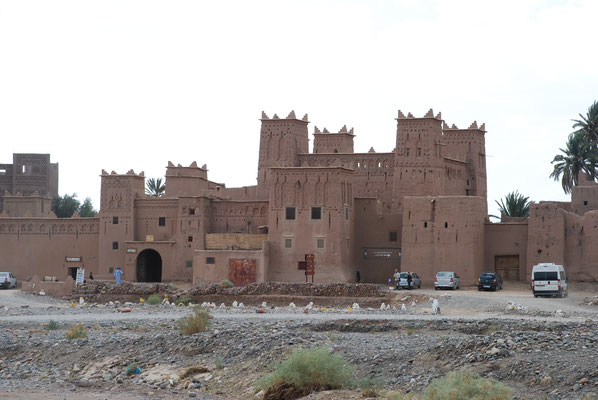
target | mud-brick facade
[{"x": 420, "y": 207}]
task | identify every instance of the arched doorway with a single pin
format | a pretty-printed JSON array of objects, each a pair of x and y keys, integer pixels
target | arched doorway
[{"x": 149, "y": 266}]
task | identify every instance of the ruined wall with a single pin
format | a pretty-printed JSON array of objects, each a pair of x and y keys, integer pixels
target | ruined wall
[
  {"x": 584, "y": 199},
  {"x": 281, "y": 140},
  {"x": 241, "y": 193},
  {"x": 372, "y": 176},
  {"x": 506, "y": 239},
  {"x": 40, "y": 246},
  {"x": 28, "y": 206},
  {"x": 444, "y": 234},
  {"x": 378, "y": 239},
  {"x": 237, "y": 216},
  {"x": 329, "y": 237}
]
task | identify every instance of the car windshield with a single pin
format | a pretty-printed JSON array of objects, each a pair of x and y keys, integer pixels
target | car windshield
[
  {"x": 404, "y": 274},
  {"x": 444, "y": 274},
  {"x": 3, "y": 274},
  {"x": 546, "y": 276},
  {"x": 488, "y": 275}
]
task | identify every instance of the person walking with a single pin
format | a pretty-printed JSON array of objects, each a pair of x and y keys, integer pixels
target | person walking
[
  {"x": 397, "y": 278},
  {"x": 409, "y": 280},
  {"x": 358, "y": 276},
  {"x": 117, "y": 273}
]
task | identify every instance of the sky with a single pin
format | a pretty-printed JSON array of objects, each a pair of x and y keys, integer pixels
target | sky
[{"x": 120, "y": 85}]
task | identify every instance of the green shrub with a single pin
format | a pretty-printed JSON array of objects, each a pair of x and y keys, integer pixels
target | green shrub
[
  {"x": 465, "y": 385},
  {"x": 197, "y": 322},
  {"x": 154, "y": 299},
  {"x": 51, "y": 326},
  {"x": 307, "y": 371},
  {"x": 77, "y": 332},
  {"x": 226, "y": 283},
  {"x": 186, "y": 299}
]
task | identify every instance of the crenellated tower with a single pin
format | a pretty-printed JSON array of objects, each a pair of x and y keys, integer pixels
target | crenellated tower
[
  {"x": 281, "y": 141},
  {"x": 326, "y": 142}
]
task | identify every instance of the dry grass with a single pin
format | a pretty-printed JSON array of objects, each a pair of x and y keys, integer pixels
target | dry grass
[
  {"x": 197, "y": 322},
  {"x": 78, "y": 331}
]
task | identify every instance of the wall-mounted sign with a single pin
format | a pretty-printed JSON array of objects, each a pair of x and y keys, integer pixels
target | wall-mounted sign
[
  {"x": 80, "y": 276},
  {"x": 73, "y": 259},
  {"x": 381, "y": 254},
  {"x": 132, "y": 251},
  {"x": 149, "y": 238}
]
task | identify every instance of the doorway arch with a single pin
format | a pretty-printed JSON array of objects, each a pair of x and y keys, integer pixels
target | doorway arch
[{"x": 149, "y": 266}]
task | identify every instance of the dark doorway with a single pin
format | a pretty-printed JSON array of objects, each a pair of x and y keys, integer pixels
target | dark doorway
[
  {"x": 507, "y": 267},
  {"x": 149, "y": 266},
  {"x": 73, "y": 272}
]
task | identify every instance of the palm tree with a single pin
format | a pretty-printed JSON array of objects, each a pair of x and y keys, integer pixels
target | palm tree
[
  {"x": 155, "y": 187},
  {"x": 580, "y": 155},
  {"x": 514, "y": 205},
  {"x": 588, "y": 125}
]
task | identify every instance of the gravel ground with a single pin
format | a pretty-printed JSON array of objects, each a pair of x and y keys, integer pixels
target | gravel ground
[{"x": 538, "y": 350}]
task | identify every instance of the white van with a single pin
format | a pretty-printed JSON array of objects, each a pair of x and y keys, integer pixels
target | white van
[{"x": 549, "y": 279}]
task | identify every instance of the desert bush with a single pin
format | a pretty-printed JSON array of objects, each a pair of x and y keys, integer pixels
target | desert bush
[
  {"x": 154, "y": 299},
  {"x": 225, "y": 283},
  {"x": 51, "y": 326},
  {"x": 197, "y": 322},
  {"x": 77, "y": 332},
  {"x": 306, "y": 371},
  {"x": 465, "y": 385}
]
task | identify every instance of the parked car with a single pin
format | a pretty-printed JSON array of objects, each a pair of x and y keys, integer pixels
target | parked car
[
  {"x": 416, "y": 281},
  {"x": 447, "y": 279},
  {"x": 7, "y": 280},
  {"x": 549, "y": 279},
  {"x": 490, "y": 281}
]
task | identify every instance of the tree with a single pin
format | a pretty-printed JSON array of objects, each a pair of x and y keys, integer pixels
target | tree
[
  {"x": 514, "y": 205},
  {"x": 588, "y": 124},
  {"x": 579, "y": 156},
  {"x": 155, "y": 187},
  {"x": 65, "y": 207},
  {"x": 86, "y": 209}
]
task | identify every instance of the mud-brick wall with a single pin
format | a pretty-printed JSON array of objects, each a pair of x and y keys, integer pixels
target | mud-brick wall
[
  {"x": 506, "y": 239},
  {"x": 546, "y": 236},
  {"x": 214, "y": 265},
  {"x": 444, "y": 234}
]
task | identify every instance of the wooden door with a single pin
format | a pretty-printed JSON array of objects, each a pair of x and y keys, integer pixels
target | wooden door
[
  {"x": 507, "y": 267},
  {"x": 242, "y": 271}
]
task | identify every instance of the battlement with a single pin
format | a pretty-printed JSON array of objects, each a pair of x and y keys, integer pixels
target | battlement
[
  {"x": 115, "y": 174},
  {"x": 291, "y": 116},
  {"x": 429, "y": 114},
  {"x": 191, "y": 171},
  {"x": 342, "y": 131},
  {"x": 472, "y": 127}
]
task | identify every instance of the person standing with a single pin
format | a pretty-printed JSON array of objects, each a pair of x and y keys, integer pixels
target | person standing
[
  {"x": 358, "y": 276},
  {"x": 397, "y": 278},
  {"x": 117, "y": 273},
  {"x": 409, "y": 280}
]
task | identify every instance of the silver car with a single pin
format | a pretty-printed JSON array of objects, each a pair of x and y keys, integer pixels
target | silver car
[
  {"x": 7, "y": 280},
  {"x": 415, "y": 280},
  {"x": 445, "y": 279}
]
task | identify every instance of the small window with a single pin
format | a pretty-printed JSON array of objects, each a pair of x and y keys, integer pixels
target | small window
[
  {"x": 162, "y": 221},
  {"x": 189, "y": 239},
  {"x": 393, "y": 237},
  {"x": 210, "y": 260},
  {"x": 288, "y": 243},
  {"x": 320, "y": 243},
  {"x": 446, "y": 224},
  {"x": 425, "y": 224},
  {"x": 585, "y": 202},
  {"x": 192, "y": 211},
  {"x": 346, "y": 213},
  {"x": 419, "y": 151},
  {"x": 290, "y": 213},
  {"x": 189, "y": 264},
  {"x": 115, "y": 220},
  {"x": 316, "y": 213},
  {"x": 348, "y": 244},
  {"x": 111, "y": 270},
  {"x": 407, "y": 152},
  {"x": 114, "y": 245}
]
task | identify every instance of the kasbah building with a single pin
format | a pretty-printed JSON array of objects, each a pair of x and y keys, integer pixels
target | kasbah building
[{"x": 420, "y": 207}]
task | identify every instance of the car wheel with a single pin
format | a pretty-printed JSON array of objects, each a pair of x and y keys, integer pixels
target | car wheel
[
  {"x": 536, "y": 296},
  {"x": 435, "y": 288}
]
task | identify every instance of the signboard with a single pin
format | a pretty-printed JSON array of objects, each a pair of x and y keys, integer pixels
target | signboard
[
  {"x": 73, "y": 259},
  {"x": 80, "y": 276},
  {"x": 382, "y": 253},
  {"x": 310, "y": 266},
  {"x": 133, "y": 251},
  {"x": 149, "y": 238},
  {"x": 301, "y": 265}
]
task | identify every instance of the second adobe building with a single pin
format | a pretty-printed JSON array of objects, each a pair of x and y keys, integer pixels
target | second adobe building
[{"x": 420, "y": 207}]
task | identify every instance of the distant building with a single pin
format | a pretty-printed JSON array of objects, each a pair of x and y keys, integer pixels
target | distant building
[{"x": 421, "y": 207}]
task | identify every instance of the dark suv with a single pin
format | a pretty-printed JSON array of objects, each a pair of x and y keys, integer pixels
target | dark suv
[{"x": 490, "y": 281}]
